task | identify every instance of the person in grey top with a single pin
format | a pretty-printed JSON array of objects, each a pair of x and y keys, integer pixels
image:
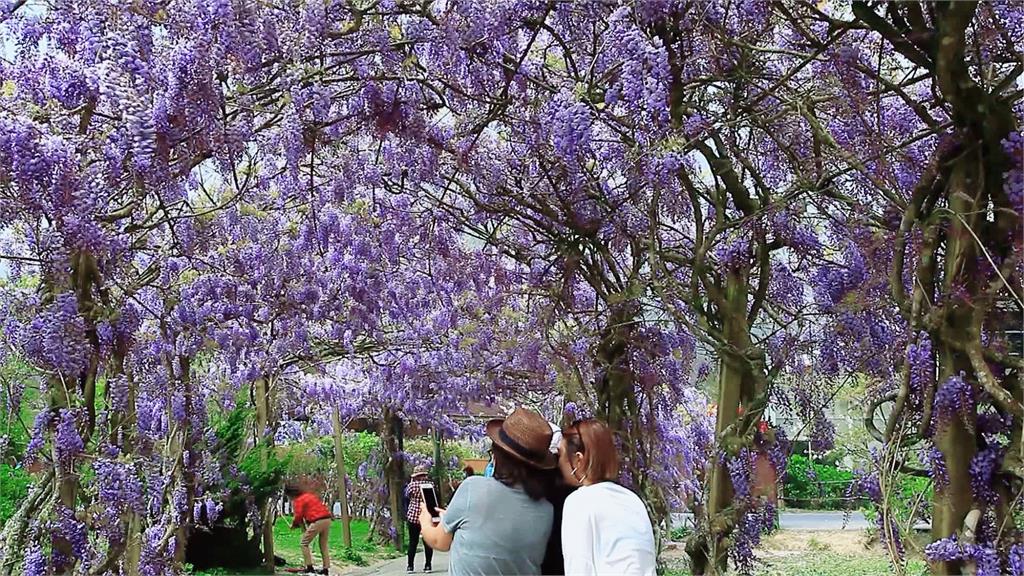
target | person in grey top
[{"x": 500, "y": 525}]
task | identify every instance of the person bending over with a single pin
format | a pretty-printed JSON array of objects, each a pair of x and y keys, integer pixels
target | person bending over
[{"x": 310, "y": 512}]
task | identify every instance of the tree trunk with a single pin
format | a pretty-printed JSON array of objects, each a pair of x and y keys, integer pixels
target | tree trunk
[
  {"x": 133, "y": 545},
  {"x": 614, "y": 386},
  {"x": 266, "y": 510},
  {"x": 735, "y": 392},
  {"x": 393, "y": 473},
  {"x": 133, "y": 540},
  {"x": 187, "y": 475},
  {"x": 438, "y": 465},
  {"x": 339, "y": 463},
  {"x": 952, "y": 500},
  {"x": 956, "y": 439},
  {"x": 66, "y": 479}
]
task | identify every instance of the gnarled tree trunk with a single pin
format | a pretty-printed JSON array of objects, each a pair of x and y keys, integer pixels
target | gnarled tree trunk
[{"x": 394, "y": 473}]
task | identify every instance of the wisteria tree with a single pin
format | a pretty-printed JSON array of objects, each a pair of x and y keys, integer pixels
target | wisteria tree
[
  {"x": 552, "y": 173},
  {"x": 650, "y": 166},
  {"x": 187, "y": 219},
  {"x": 926, "y": 214}
]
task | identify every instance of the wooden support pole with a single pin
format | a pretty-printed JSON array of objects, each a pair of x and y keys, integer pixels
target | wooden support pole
[
  {"x": 339, "y": 461},
  {"x": 437, "y": 461},
  {"x": 262, "y": 397}
]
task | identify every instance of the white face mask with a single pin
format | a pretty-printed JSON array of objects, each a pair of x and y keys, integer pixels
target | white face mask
[{"x": 556, "y": 438}]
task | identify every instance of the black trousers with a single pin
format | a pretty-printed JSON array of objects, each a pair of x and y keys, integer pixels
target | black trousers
[{"x": 414, "y": 541}]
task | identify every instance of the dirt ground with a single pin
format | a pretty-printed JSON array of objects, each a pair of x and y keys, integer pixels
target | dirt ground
[
  {"x": 792, "y": 542},
  {"x": 806, "y": 553},
  {"x": 840, "y": 541}
]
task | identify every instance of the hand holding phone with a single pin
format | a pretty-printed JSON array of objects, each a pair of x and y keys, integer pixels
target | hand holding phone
[{"x": 430, "y": 501}]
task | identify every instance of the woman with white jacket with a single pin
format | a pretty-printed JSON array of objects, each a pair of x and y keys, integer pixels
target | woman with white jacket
[{"x": 606, "y": 530}]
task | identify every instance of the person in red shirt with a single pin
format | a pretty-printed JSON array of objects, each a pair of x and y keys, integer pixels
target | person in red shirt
[{"x": 310, "y": 512}]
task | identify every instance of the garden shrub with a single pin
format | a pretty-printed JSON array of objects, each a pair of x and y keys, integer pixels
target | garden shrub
[
  {"x": 909, "y": 504},
  {"x": 252, "y": 474},
  {"x": 312, "y": 461},
  {"x": 811, "y": 484},
  {"x": 450, "y": 451}
]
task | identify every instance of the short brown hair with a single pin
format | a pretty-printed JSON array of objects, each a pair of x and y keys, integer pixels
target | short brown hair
[{"x": 593, "y": 438}]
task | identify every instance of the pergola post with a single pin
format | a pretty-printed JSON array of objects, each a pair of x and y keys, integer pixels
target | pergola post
[
  {"x": 339, "y": 461},
  {"x": 437, "y": 459}
]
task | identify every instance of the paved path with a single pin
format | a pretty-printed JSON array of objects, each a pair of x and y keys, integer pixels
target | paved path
[
  {"x": 803, "y": 521},
  {"x": 788, "y": 519},
  {"x": 822, "y": 521},
  {"x": 396, "y": 567}
]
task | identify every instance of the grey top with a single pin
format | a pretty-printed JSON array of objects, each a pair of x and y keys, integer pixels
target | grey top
[{"x": 498, "y": 530}]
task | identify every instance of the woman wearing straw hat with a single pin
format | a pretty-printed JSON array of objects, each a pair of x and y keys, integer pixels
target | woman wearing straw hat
[
  {"x": 412, "y": 516},
  {"x": 500, "y": 525}
]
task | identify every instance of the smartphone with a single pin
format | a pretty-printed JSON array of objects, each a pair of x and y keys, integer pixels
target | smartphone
[{"x": 430, "y": 501}]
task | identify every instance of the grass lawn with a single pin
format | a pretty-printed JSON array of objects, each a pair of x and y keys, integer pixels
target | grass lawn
[{"x": 286, "y": 544}]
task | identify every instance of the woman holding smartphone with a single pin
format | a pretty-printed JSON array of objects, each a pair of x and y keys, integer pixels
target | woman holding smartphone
[
  {"x": 605, "y": 527},
  {"x": 500, "y": 525},
  {"x": 414, "y": 492}
]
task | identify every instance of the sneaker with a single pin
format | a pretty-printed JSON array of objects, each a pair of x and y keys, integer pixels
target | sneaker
[
  {"x": 410, "y": 570},
  {"x": 324, "y": 571},
  {"x": 427, "y": 569}
]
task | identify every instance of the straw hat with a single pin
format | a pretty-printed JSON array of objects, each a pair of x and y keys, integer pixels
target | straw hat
[
  {"x": 420, "y": 470},
  {"x": 526, "y": 436}
]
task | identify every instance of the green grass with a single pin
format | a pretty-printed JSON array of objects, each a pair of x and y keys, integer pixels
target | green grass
[
  {"x": 822, "y": 563},
  {"x": 13, "y": 489},
  {"x": 286, "y": 544}
]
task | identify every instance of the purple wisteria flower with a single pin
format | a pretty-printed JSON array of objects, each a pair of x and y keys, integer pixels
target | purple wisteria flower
[
  {"x": 1015, "y": 559},
  {"x": 985, "y": 558},
  {"x": 733, "y": 253},
  {"x": 954, "y": 399},
  {"x": 36, "y": 564},
  {"x": 921, "y": 365},
  {"x": 69, "y": 441}
]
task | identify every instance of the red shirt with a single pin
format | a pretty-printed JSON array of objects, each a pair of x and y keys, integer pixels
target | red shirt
[{"x": 308, "y": 508}]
